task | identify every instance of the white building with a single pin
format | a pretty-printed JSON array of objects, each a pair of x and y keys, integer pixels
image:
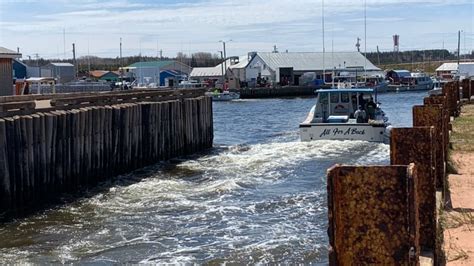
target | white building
[
  {"x": 287, "y": 68},
  {"x": 235, "y": 72},
  {"x": 449, "y": 70}
]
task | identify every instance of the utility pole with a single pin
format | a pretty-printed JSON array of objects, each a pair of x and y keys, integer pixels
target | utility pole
[
  {"x": 121, "y": 64},
  {"x": 222, "y": 70},
  {"x": 161, "y": 54},
  {"x": 378, "y": 55},
  {"x": 225, "y": 57},
  {"x": 74, "y": 59},
  {"x": 64, "y": 42},
  {"x": 459, "y": 48}
]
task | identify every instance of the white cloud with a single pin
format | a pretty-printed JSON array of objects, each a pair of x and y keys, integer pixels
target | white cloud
[{"x": 291, "y": 24}]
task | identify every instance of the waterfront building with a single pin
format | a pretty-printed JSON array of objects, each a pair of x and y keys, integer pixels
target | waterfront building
[
  {"x": 104, "y": 75},
  {"x": 233, "y": 69},
  {"x": 447, "y": 70},
  {"x": 62, "y": 72},
  {"x": 287, "y": 68},
  {"x": 149, "y": 72},
  {"x": 19, "y": 69},
  {"x": 6, "y": 70}
]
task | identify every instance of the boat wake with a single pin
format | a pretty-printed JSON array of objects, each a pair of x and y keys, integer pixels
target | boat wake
[{"x": 239, "y": 204}]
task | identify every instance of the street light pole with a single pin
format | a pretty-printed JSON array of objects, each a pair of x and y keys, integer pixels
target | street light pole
[
  {"x": 121, "y": 66},
  {"x": 225, "y": 60},
  {"x": 222, "y": 70},
  {"x": 225, "y": 57}
]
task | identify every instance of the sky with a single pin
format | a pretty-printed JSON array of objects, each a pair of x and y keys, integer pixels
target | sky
[{"x": 47, "y": 28}]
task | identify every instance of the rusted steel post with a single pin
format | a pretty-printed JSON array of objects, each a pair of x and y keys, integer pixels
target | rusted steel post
[
  {"x": 451, "y": 91},
  {"x": 471, "y": 89},
  {"x": 466, "y": 92},
  {"x": 415, "y": 145},
  {"x": 432, "y": 116},
  {"x": 441, "y": 101},
  {"x": 373, "y": 219}
]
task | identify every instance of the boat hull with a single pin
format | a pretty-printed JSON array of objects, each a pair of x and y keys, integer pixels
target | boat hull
[
  {"x": 345, "y": 131},
  {"x": 420, "y": 87},
  {"x": 221, "y": 97}
]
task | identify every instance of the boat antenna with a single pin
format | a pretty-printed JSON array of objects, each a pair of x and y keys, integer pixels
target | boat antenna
[
  {"x": 365, "y": 41},
  {"x": 332, "y": 58},
  {"x": 324, "y": 50}
]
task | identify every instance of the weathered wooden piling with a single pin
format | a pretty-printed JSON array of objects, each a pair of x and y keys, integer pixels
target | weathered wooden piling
[
  {"x": 373, "y": 218},
  {"x": 80, "y": 141},
  {"x": 415, "y": 145}
]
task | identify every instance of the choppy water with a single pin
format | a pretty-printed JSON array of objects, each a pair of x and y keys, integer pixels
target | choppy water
[{"x": 258, "y": 196}]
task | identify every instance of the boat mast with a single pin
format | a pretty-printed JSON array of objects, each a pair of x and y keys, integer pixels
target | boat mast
[
  {"x": 365, "y": 42},
  {"x": 332, "y": 58},
  {"x": 324, "y": 50}
]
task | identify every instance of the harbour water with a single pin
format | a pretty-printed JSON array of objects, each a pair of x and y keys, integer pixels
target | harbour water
[{"x": 259, "y": 196}]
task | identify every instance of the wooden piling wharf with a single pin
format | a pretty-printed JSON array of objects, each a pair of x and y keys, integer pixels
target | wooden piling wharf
[{"x": 81, "y": 139}]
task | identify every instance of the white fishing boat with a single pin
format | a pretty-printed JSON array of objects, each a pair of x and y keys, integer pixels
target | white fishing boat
[
  {"x": 437, "y": 87},
  {"x": 223, "y": 96},
  {"x": 334, "y": 117}
]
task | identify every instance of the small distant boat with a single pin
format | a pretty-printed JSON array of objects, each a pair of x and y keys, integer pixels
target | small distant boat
[
  {"x": 437, "y": 88},
  {"x": 223, "y": 96},
  {"x": 411, "y": 82},
  {"x": 334, "y": 117}
]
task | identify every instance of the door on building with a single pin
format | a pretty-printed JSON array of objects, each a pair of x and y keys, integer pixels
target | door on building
[{"x": 286, "y": 76}]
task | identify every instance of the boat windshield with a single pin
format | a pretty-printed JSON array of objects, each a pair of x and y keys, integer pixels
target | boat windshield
[{"x": 342, "y": 102}]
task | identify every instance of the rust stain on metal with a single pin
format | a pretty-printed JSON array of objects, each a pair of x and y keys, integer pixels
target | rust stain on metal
[
  {"x": 466, "y": 92},
  {"x": 415, "y": 145},
  {"x": 372, "y": 215},
  {"x": 441, "y": 101},
  {"x": 432, "y": 116},
  {"x": 451, "y": 91}
]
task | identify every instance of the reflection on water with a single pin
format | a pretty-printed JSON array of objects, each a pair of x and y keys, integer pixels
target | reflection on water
[{"x": 258, "y": 196}]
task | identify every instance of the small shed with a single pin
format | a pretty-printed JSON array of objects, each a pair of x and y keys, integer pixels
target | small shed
[
  {"x": 62, "y": 72},
  {"x": 19, "y": 69},
  {"x": 6, "y": 71},
  {"x": 171, "y": 78},
  {"x": 104, "y": 75},
  {"x": 149, "y": 72}
]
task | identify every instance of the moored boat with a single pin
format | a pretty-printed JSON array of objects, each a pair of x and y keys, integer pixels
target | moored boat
[
  {"x": 223, "y": 96},
  {"x": 413, "y": 82},
  {"x": 335, "y": 117}
]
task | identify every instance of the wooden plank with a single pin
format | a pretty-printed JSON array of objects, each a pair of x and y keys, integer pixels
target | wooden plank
[
  {"x": 48, "y": 148},
  {"x": 5, "y": 186},
  {"x": 13, "y": 162},
  {"x": 31, "y": 186}
]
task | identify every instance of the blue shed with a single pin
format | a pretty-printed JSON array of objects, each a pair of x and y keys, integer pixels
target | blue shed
[
  {"x": 19, "y": 69},
  {"x": 173, "y": 77}
]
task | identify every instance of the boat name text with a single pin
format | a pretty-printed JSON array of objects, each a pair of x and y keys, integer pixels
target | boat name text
[{"x": 340, "y": 132}]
